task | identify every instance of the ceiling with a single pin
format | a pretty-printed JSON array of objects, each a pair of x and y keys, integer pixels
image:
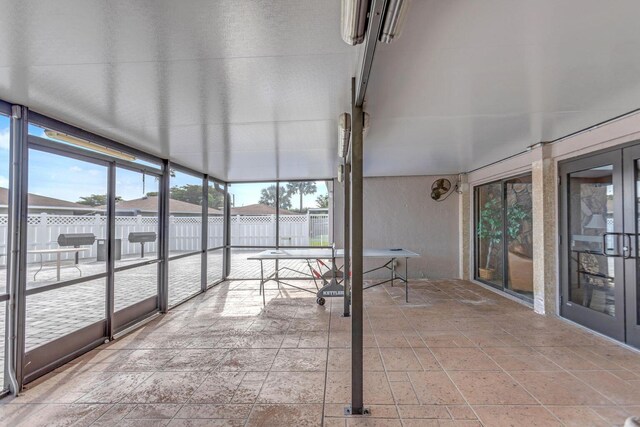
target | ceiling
[
  {"x": 251, "y": 90},
  {"x": 472, "y": 82},
  {"x": 243, "y": 90}
]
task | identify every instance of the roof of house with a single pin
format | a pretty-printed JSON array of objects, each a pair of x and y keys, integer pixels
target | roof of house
[
  {"x": 36, "y": 200},
  {"x": 150, "y": 204},
  {"x": 258, "y": 209}
]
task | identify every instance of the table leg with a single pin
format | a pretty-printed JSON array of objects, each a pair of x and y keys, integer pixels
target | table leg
[
  {"x": 406, "y": 280},
  {"x": 40, "y": 269},
  {"x": 393, "y": 270},
  {"x": 58, "y": 266}
]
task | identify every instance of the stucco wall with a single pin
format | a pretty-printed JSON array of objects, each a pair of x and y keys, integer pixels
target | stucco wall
[{"x": 399, "y": 212}]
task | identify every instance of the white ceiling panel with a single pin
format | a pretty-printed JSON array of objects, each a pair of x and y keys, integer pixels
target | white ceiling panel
[
  {"x": 472, "y": 82},
  {"x": 221, "y": 87},
  {"x": 251, "y": 89}
]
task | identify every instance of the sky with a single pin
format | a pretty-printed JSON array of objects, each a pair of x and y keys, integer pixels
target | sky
[
  {"x": 69, "y": 179},
  {"x": 4, "y": 151}
]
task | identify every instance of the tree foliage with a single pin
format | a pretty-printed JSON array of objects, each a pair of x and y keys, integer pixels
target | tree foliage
[
  {"x": 322, "y": 201},
  {"x": 95, "y": 200},
  {"x": 491, "y": 223},
  {"x": 268, "y": 197},
  {"x": 192, "y": 193},
  {"x": 302, "y": 188}
]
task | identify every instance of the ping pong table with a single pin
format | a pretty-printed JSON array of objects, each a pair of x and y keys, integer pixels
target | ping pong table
[{"x": 329, "y": 275}]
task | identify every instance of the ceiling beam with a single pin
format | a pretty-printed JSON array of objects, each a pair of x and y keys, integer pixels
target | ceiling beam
[{"x": 370, "y": 41}]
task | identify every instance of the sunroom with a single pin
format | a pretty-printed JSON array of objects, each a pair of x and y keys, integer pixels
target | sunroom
[{"x": 356, "y": 212}]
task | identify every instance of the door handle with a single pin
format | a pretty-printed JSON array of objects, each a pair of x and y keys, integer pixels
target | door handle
[
  {"x": 614, "y": 252},
  {"x": 626, "y": 245}
]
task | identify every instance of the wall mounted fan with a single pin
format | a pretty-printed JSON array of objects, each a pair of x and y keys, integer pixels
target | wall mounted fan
[{"x": 440, "y": 188}]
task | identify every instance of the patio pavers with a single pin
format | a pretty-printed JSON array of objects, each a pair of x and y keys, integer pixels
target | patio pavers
[
  {"x": 460, "y": 356},
  {"x": 55, "y": 313}
]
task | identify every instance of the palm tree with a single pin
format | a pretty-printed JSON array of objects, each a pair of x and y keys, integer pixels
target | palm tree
[{"x": 302, "y": 188}]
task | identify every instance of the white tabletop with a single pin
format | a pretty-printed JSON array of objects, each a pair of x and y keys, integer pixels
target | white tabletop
[
  {"x": 57, "y": 250},
  {"x": 293, "y": 254},
  {"x": 326, "y": 254},
  {"x": 385, "y": 253}
]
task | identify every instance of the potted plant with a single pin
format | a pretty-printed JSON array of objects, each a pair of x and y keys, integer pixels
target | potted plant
[
  {"x": 519, "y": 255},
  {"x": 490, "y": 231}
]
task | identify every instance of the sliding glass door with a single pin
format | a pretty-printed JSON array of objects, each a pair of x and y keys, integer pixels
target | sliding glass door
[
  {"x": 504, "y": 238},
  {"x": 137, "y": 259},
  {"x": 185, "y": 236},
  {"x": 5, "y": 131},
  {"x": 66, "y": 275},
  {"x": 107, "y": 236},
  {"x": 92, "y": 259}
]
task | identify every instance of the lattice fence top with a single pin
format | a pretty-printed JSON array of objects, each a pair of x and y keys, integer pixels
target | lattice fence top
[
  {"x": 4, "y": 220},
  {"x": 125, "y": 220},
  {"x": 298, "y": 219},
  {"x": 186, "y": 220},
  {"x": 74, "y": 220},
  {"x": 253, "y": 219},
  {"x": 133, "y": 220}
]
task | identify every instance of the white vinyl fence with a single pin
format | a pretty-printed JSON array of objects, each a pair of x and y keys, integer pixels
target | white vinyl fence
[
  {"x": 184, "y": 232},
  {"x": 295, "y": 230}
]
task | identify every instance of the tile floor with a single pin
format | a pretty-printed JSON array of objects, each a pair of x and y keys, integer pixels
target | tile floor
[{"x": 456, "y": 355}]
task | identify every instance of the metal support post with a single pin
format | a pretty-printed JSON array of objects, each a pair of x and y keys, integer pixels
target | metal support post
[
  {"x": 346, "y": 282},
  {"x": 111, "y": 250},
  {"x": 226, "y": 234},
  {"x": 204, "y": 231},
  {"x": 17, "y": 248},
  {"x": 163, "y": 266},
  {"x": 277, "y": 231},
  {"x": 357, "y": 116}
]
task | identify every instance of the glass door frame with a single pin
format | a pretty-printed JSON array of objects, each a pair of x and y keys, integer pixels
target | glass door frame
[
  {"x": 124, "y": 318},
  {"x": 5, "y": 110},
  {"x": 202, "y": 251},
  {"x": 631, "y": 160},
  {"x": 215, "y": 184},
  {"x": 17, "y": 367},
  {"x": 60, "y": 350},
  {"x": 54, "y": 353},
  {"x": 612, "y": 326},
  {"x": 505, "y": 241}
]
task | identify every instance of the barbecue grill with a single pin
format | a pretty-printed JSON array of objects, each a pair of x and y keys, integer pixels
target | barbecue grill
[
  {"x": 76, "y": 240},
  {"x": 142, "y": 237}
]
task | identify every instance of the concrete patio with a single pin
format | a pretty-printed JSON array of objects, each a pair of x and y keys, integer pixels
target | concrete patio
[
  {"x": 457, "y": 354},
  {"x": 53, "y": 314}
]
